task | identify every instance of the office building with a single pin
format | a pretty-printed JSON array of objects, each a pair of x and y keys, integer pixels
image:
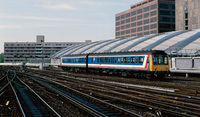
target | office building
[
  {"x": 24, "y": 51},
  {"x": 187, "y": 14},
  {"x": 146, "y": 17}
]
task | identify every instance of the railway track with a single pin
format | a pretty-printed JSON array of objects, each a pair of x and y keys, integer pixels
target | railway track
[
  {"x": 166, "y": 102},
  {"x": 30, "y": 103},
  {"x": 93, "y": 106}
]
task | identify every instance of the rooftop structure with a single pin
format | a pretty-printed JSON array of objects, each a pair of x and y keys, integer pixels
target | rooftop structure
[
  {"x": 146, "y": 17},
  {"x": 187, "y": 14},
  {"x": 23, "y": 51}
]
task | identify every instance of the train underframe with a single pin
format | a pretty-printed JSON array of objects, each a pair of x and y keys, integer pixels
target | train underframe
[{"x": 118, "y": 72}]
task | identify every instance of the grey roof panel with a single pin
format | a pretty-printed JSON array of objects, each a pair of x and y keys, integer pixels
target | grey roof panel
[
  {"x": 112, "y": 41},
  {"x": 92, "y": 46},
  {"x": 187, "y": 41},
  {"x": 122, "y": 42},
  {"x": 139, "y": 41},
  {"x": 163, "y": 39}
]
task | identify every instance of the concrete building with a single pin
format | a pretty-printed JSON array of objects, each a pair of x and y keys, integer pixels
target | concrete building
[
  {"x": 24, "y": 51},
  {"x": 146, "y": 17},
  {"x": 187, "y": 14}
]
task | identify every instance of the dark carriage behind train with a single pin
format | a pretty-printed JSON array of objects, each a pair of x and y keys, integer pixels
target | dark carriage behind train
[{"x": 137, "y": 63}]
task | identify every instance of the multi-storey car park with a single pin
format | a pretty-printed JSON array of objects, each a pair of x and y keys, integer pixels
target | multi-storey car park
[
  {"x": 23, "y": 51},
  {"x": 146, "y": 17}
]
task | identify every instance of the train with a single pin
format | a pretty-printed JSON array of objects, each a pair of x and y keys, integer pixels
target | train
[{"x": 142, "y": 64}]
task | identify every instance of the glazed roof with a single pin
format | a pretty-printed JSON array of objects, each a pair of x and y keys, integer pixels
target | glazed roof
[{"x": 179, "y": 42}]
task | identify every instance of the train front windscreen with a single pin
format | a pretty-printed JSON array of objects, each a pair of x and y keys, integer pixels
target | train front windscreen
[{"x": 160, "y": 60}]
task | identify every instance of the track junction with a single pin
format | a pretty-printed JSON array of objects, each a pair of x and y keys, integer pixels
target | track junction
[{"x": 52, "y": 92}]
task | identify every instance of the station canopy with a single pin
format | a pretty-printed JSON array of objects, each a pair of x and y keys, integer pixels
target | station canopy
[{"x": 185, "y": 42}]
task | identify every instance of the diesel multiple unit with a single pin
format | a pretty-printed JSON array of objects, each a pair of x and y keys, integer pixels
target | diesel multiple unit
[{"x": 140, "y": 63}]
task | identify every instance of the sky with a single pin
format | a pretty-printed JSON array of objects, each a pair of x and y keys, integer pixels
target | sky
[{"x": 59, "y": 20}]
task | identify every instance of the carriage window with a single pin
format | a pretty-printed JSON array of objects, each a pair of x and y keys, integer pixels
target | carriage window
[
  {"x": 122, "y": 60},
  {"x": 115, "y": 60},
  {"x": 136, "y": 60},
  {"x": 118, "y": 60},
  {"x": 125, "y": 59},
  {"x": 132, "y": 59},
  {"x": 91, "y": 60},
  {"x": 101, "y": 60},
  {"x": 97, "y": 60},
  {"x": 112, "y": 60},
  {"x": 109, "y": 60},
  {"x": 141, "y": 59},
  {"x": 129, "y": 60},
  {"x": 106, "y": 60},
  {"x": 165, "y": 60},
  {"x": 155, "y": 60},
  {"x": 160, "y": 60},
  {"x": 79, "y": 60}
]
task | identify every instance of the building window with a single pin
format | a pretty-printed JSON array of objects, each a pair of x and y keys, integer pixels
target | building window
[
  {"x": 186, "y": 28},
  {"x": 139, "y": 29},
  {"x": 128, "y": 26},
  {"x": 165, "y": 19},
  {"x": 139, "y": 11},
  {"x": 133, "y": 35},
  {"x": 153, "y": 19},
  {"x": 122, "y": 27},
  {"x": 153, "y": 26},
  {"x": 128, "y": 15},
  {"x": 146, "y": 33},
  {"x": 162, "y": 12},
  {"x": 117, "y": 23},
  {"x": 146, "y": 27},
  {"x": 127, "y": 20},
  {"x": 133, "y": 19},
  {"x": 146, "y": 21},
  {"x": 186, "y": 15},
  {"x": 165, "y": 6},
  {"x": 123, "y": 16},
  {"x": 139, "y": 34},
  {"x": 186, "y": 3},
  {"x": 139, "y": 23},
  {"x": 133, "y": 30},
  {"x": 117, "y": 33},
  {"x": 146, "y": 9},
  {"x": 186, "y": 8},
  {"x": 153, "y": 13},
  {"x": 127, "y": 31},
  {"x": 139, "y": 17},
  {"x": 173, "y": 13},
  {"x": 117, "y": 28},
  {"x": 133, "y": 13},
  {"x": 123, "y": 22},
  {"x": 173, "y": 19},
  {"x": 165, "y": 26},
  {"x": 133, "y": 24},
  {"x": 186, "y": 22},
  {"x": 173, "y": 7},
  {"x": 146, "y": 15},
  {"x": 123, "y": 32},
  {"x": 117, "y": 18},
  {"x": 154, "y": 31},
  {"x": 153, "y": 6}
]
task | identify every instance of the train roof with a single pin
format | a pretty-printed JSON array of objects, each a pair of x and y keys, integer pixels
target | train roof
[
  {"x": 120, "y": 53},
  {"x": 173, "y": 43}
]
